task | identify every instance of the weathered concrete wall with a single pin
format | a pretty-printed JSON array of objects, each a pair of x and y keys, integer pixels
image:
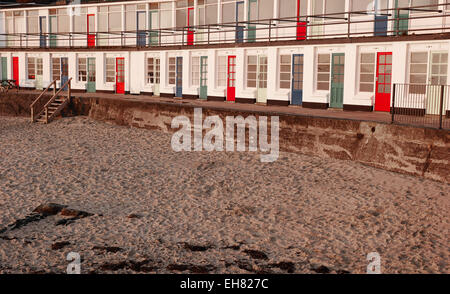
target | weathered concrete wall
[{"x": 416, "y": 151}]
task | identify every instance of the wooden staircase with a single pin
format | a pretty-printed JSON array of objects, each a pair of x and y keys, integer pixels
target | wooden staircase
[{"x": 53, "y": 106}]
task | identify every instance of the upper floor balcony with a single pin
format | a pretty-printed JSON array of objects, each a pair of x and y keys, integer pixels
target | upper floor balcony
[{"x": 204, "y": 22}]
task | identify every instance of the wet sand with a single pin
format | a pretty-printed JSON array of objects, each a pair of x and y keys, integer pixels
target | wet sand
[{"x": 155, "y": 210}]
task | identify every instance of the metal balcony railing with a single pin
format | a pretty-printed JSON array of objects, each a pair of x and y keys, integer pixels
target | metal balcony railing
[{"x": 428, "y": 19}]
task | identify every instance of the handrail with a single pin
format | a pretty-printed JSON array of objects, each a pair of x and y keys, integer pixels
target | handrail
[
  {"x": 57, "y": 93},
  {"x": 43, "y": 92},
  {"x": 38, "y": 98},
  {"x": 68, "y": 83}
]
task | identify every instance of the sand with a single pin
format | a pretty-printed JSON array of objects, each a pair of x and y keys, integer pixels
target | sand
[{"x": 157, "y": 211}]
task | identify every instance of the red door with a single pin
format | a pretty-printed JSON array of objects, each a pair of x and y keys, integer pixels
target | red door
[
  {"x": 384, "y": 82},
  {"x": 301, "y": 25},
  {"x": 231, "y": 78},
  {"x": 16, "y": 70},
  {"x": 91, "y": 30},
  {"x": 190, "y": 21},
  {"x": 120, "y": 75}
]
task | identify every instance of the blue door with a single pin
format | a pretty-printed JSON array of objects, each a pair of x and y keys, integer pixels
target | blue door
[
  {"x": 239, "y": 18},
  {"x": 64, "y": 71},
  {"x": 42, "y": 31},
  {"x": 381, "y": 23},
  {"x": 179, "y": 77},
  {"x": 297, "y": 79},
  {"x": 140, "y": 32}
]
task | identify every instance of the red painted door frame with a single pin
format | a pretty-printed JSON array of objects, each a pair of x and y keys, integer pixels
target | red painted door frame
[
  {"x": 384, "y": 83},
  {"x": 15, "y": 69},
  {"x": 190, "y": 33},
  {"x": 231, "y": 78},
  {"x": 120, "y": 75},
  {"x": 90, "y": 37},
  {"x": 301, "y": 25}
]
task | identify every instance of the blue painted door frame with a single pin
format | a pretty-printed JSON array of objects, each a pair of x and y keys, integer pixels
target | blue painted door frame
[{"x": 297, "y": 79}]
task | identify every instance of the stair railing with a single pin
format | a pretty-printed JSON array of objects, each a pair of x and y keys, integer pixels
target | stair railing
[
  {"x": 35, "y": 114},
  {"x": 67, "y": 84}
]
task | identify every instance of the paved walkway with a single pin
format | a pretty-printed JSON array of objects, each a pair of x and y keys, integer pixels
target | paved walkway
[{"x": 293, "y": 110}]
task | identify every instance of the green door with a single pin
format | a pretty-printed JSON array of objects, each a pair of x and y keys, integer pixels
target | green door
[
  {"x": 337, "y": 80},
  {"x": 4, "y": 68},
  {"x": 401, "y": 20},
  {"x": 53, "y": 28},
  {"x": 437, "y": 78},
  {"x": 252, "y": 16},
  {"x": 153, "y": 22},
  {"x": 203, "y": 77},
  {"x": 90, "y": 87}
]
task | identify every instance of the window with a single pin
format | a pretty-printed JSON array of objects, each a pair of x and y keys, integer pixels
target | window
[
  {"x": 153, "y": 70},
  {"x": 362, "y": 5},
  {"x": 418, "y": 72},
  {"x": 63, "y": 21},
  {"x": 265, "y": 9},
  {"x": 102, "y": 19},
  {"x": 211, "y": 11},
  {"x": 252, "y": 64},
  {"x": 115, "y": 18},
  {"x": 56, "y": 68},
  {"x": 33, "y": 21},
  {"x": 31, "y": 68},
  {"x": 181, "y": 12},
  {"x": 172, "y": 70},
  {"x": 80, "y": 21},
  {"x": 323, "y": 72},
  {"x": 82, "y": 69},
  {"x": 130, "y": 17},
  {"x": 287, "y": 8},
  {"x": 335, "y": 7},
  {"x": 222, "y": 71},
  {"x": 229, "y": 11},
  {"x": 34, "y": 66},
  {"x": 285, "y": 71},
  {"x": 195, "y": 71},
  {"x": 110, "y": 70},
  {"x": 367, "y": 72},
  {"x": 432, "y": 5},
  {"x": 166, "y": 15}
]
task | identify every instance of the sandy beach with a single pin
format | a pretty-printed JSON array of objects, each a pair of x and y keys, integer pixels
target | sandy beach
[{"x": 132, "y": 205}]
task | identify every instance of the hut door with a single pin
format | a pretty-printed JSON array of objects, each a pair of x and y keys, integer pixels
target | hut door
[
  {"x": 154, "y": 26},
  {"x": 301, "y": 23},
  {"x": 140, "y": 25},
  {"x": 15, "y": 70},
  {"x": 384, "y": 80},
  {"x": 337, "y": 80},
  {"x": 4, "y": 68},
  {"x": 262, "y": 79},
  {"x": 53, "y": 28},
  {"x": 231, "y": 79},
  {"x": 91, "y": 30},
  {"x": 91, "y": 75},
  {"x": 190, "y": 22},
  {"x": 252, "y": 16},
  {"x": 381, "y": 18},
  {"x": 120, "y": 75},
  {"x": 203, "y": 77},
  {"x": 42, "y": 31},
  {"x": 401, "y": 20},
  {"x": 239, "y": 18},
  {"x": 179, "y": 77},
  {"x": 64, "y": 71},
  {"x": 297, "y": 79}
]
